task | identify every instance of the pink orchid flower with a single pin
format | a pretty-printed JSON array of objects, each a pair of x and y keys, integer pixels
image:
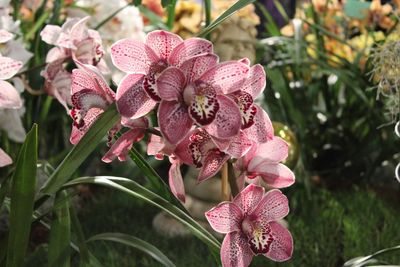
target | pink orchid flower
[
  {"x": 121, "y": 147},
  {"x": 4, "y": 159},
  {"x": 195, "y": 93},
  {"x": 263, "y": 160},
  {"x": 251, "y": 227},
  {"x": 144, "y": 62},
  {"x": 91, "y": 95}
]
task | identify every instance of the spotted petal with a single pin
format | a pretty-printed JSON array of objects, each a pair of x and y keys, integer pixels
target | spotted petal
[
  {"x": 162, "y": 43},
  {"x": 189, "y": 48},
  {"x": 255, "y": 82},
  {"x": 273, "y": 206},
  {"x": 226, "y": 77},
  {"x": 273, "y": 151},
  {"x": 132, "y": 101},
  {"x": 9, "y": 67},
  {"x": 170, "y": 84},
  {"x": 281, "y": 248},
  {"x": 174, "y": 121},
  {"x": 246, "y": 107},
  {"x": 225, "y": 218},
  {"x": 262, "y": 130},
  {"x": 9, "y": 96},
  {"x": 212, "y": 163},
  {"x": 227, "y": 121},
  {"x": 89, "y": 119},
  {"x": 176, "y": 181},
  {"x": 235, "y": 250},
  {"x": 4, "y": 158},
  {"x": 204, "y": 106},
  {"x": 249, "y": 198},
  {"x": 275, "y": 175},
  {"x": 195, "y": 67},
  {"x": 122, "y": 146},
  {"x": 132, "y": 56}
]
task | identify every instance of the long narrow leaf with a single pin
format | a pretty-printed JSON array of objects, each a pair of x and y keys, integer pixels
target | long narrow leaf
[
  {"x": 81, "y": 151},
  {"x": 229, "y": 12},
  {"x": 136, "y": 190},
  {"x": 60, "y": 234},
  {"x": 137, "y": 243},
  {"x": 22, "y": 199}
]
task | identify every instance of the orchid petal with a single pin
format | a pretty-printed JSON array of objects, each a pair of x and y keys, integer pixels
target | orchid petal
[
  {"x": 204, "y": 106},
  {"x": 255, "y": 82},
  {"x": 226, "y": 77},
  {"x": 132, "y": 101},
  {"x": 235, "y": 250},
  {"x": 4, "y": 159},
  {"x": 122, "y": 146},
  {"x": 246, "y": 107},
  {"x": 176, "y": 181},
  {"x": 189, "y": 48},
  {"x": 196, "y": 66},
  {"x": 184, "y": 151},
  {"x": 281, "y": 248},
  {"x": 174, "y": 121},
  {"x": 275, "y": 175},
  {"x": 273, "y": 151},
  {"x": 155, "y": 146},
  {"x": 132, "y": 56},
  {"x": 227, "y": 121},
  {"x": 262, "y": 130},
  {"x": 9, "y": 67},
  {"x": 5, "y": 36},
  {"x": 50, "y": 34},
  {"x": 9, "y": 96},
  {"x": 90, "y": 117},
  {"x": 249, "y": 198},
  {"x": 273, "y": 206},
  {"x": 212, "y": 163},
  {"x": 225, "y": 218},
  {"x": 239, "y": 146},
  {"x": 170, "y": 84},
  {"x": 162, "y": 43},
  {"x": 11, "y": 123}
]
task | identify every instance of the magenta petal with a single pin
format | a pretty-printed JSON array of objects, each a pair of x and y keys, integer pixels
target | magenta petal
[
  {"x": 249, "y": 198},
  {"x": 281, "y": 248},
  {"x": 262, "y": 130},
  {"x": 239, "y": 146},
  {"x": 197, "y": 66},
  {"x": 122, "y": 146},
  {"x": 226, "y": 77},
  {"x": 174, "y": 121},
  {"x": 273, "y": 206},
  {"x": 212, "y": 163},
  {"x": 227, "y": 121},
  {"x": 275, "y": 175},
  {"x": 132, "y": 101},
  {"x": 189, "y": 48},
  {"x": 155, "y": 146},
  {"x": 9, "y": 97},
  {"x": 176, "y": 181},
  {"x": 255, "y": 82},
  {"x": 162, "y": 43},
  {"x": 170, "y": 84},
  {"x": 4, "y": 158},
  {"x": 9, "y": 67},
  {"x": 225, "y": 218},
  {"x": 90, "y": 117},
  {"x": 235, "y": 250},
  {"x": 183, "y": 150},
  {"x": 273, "y": 151},
  {"x": 132, "y": 56}
]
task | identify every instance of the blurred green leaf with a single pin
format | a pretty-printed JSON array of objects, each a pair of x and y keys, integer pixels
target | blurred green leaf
[
  {"x": 81, "y": 151},
  {"x": 136, "y": 190},
  {"x": 155, "y": 20},
  {"x": 356, "y": 9},
  {"x": 229, "y": 12},
  {"x": 136, "y": 243},
  {"x": 60, "y": 234},
  {"x": 22, "y": 199}
]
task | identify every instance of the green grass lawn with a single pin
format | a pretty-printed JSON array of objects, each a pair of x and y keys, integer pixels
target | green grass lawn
[{"x": 328, "y": 228}]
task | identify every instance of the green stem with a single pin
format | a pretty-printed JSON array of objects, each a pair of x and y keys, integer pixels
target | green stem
[
  {"x": 171, "y": 14},
  {"x": 207, "y": 7}
]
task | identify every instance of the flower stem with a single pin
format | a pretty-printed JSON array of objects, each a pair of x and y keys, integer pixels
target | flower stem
[
  {"x": 232, "y": 180},
  {"x": 171, "y": 14},
  {"x": 225, "y": 194}
]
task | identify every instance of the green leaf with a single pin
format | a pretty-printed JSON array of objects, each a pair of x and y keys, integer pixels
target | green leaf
[
  {"x": 85, "y": 256},
  {"x": 138, "y": 191},
  {"x": 22, "y": 199},
  {"x": 60, "y": 234},
  {"x": 229, "y": 12},
  {"x": 81, "y": 151},
  {"x": 155, "y": 20},
  {"x": 137, "y": 243}
]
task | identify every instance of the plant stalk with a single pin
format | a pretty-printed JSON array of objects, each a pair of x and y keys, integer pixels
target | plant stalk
[{"x": 225, "y": 194}]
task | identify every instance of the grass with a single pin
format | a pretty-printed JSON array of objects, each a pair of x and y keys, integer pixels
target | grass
[{"x": 328, "y": 229}]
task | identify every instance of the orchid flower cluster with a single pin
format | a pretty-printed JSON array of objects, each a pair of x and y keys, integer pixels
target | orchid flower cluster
[{"x": 206, "y": 117}]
